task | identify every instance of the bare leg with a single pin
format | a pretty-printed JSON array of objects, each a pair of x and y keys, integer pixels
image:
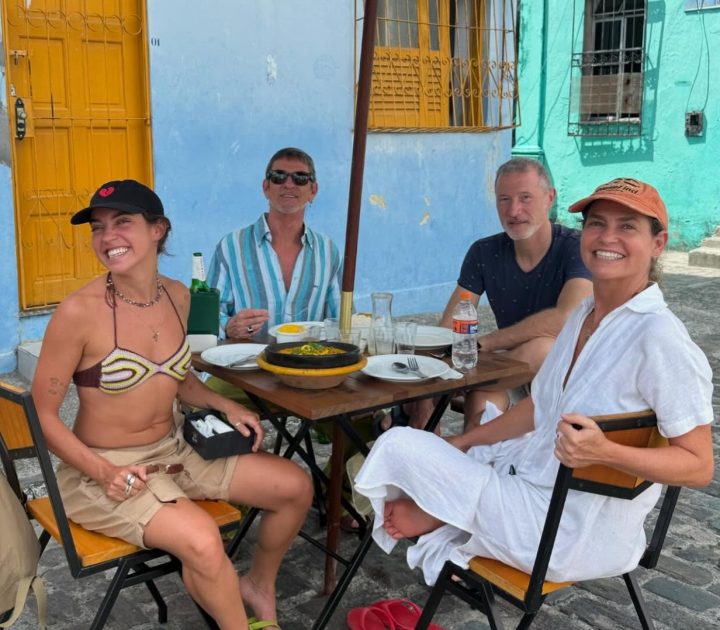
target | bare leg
[
  {"x": 404, "y": 519},
  {"x": 192, "y": 536},
  {"x": 420, "y": 412},
  {"x": 284, "y": 491}
]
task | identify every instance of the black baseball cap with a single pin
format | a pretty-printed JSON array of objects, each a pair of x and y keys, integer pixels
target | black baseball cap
[{"x": 126, "y": 195}]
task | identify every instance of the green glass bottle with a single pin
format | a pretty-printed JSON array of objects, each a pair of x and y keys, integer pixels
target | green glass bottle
[{"x": 198, "y": 284}]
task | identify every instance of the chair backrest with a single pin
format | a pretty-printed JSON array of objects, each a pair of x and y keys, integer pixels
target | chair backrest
[
  {"x": 636, "y": 429},
  {"x": 21, "y": 430}
]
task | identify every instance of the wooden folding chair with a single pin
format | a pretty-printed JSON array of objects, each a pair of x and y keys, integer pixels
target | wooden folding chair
[
  {"x": 89, "y": 552},
  {"x": 485, "y": 577}
]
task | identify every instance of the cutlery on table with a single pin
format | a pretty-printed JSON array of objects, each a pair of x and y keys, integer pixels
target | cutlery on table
[
  {"x": 414, "y": 367},
  {"x": 242, "y": 360}
]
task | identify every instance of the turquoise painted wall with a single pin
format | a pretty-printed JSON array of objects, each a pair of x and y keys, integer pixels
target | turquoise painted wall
[
  {"x": 234, "y": 80},
  {"x": 683, "y": 51}
]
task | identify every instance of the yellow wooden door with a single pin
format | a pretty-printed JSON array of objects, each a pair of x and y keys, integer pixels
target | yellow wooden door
[{"x": 77, "y": 78}]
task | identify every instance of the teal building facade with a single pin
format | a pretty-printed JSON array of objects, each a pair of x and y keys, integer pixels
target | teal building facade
[{"x": 625, "y": 88}]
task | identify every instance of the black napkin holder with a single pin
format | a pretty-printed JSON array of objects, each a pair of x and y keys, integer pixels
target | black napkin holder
[{"x": 221, "y": 445}]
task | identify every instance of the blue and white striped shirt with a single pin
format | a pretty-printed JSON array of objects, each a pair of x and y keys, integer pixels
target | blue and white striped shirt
[{"x": 246, "y": 271}]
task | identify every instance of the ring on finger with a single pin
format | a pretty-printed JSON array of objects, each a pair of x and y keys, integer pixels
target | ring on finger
[
  {"x": 128, "y": 490},
  {"x": 250, "y": 329},
  {"x": 130, "y": 479}
]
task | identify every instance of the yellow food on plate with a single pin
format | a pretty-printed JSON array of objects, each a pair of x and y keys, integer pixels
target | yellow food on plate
[
  {"x": 312, "y": 350},
  {"x": 291, "y": 329}
]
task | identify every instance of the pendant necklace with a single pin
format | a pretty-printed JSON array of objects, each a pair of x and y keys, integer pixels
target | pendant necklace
[{"x": 160, "y": 288}]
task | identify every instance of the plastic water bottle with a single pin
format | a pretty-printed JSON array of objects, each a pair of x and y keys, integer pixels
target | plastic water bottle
[{"x": 465, "y": 325}]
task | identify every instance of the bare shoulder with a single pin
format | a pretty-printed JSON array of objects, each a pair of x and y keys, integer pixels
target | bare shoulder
[
  {"x": 80, "y": 309},
  {"x": 178, "y": 292}
]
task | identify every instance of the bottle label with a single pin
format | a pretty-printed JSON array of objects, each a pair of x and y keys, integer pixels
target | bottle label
[
  {"x": 465, "y": 326},
  {"x": 198, "y": 268}
]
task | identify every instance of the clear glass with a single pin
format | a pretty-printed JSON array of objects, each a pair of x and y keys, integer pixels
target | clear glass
[
  {"x": 405, "y": 333},
  {"x": 382, "y": 341},
  {"x": 380, "y": 324}
]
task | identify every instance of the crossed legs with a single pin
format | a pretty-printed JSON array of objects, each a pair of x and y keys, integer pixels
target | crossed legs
[{"x": 284, "y": 492}]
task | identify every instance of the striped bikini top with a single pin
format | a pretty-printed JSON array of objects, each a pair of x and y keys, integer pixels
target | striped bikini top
[{"x": 122, "y": 370}]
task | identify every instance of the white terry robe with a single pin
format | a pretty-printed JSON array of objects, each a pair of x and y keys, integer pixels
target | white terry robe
[{"x": 640, "y": 357}]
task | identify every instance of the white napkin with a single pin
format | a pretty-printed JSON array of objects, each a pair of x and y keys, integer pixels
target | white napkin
[{"x": 450, "y": 375}]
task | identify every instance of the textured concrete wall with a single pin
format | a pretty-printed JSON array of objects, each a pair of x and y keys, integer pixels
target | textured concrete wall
[
  {"x": 680, "y": 75},
  {"x": 234, "y": 80}
]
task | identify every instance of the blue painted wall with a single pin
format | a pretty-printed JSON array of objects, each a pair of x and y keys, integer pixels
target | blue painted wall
[
  {"x": 234, "y": 80},
  {"x": 680, "y": 75}
]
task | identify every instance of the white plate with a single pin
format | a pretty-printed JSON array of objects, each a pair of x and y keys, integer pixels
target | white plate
[
  {"x": 273, "y": 330},
  {"x": 433, "y": 337},
  {"x": 380, "y": 366},
  {"x": 229, "y": 353}
]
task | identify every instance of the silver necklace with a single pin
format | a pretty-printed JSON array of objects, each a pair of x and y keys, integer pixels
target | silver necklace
[{"x": 111, "y": 286}]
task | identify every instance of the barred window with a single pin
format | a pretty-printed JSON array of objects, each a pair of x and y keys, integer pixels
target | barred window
[
  {"x": 444, "y": 65},
  {"x": 606, "y": 86}
]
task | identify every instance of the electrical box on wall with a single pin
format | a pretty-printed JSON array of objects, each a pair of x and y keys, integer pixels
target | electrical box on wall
[{"x": 694, "y": 123}]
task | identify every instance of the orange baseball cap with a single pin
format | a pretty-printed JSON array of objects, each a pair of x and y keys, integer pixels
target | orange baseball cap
[{"x": 631, "y": 193}]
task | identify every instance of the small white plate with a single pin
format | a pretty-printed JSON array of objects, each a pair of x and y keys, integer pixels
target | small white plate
[
  {"x": 272, "y": 331},
  {"x": 433, "y": 337},
  {"x": 229, "y": 353},
  {"x": 380, "y": 366}
]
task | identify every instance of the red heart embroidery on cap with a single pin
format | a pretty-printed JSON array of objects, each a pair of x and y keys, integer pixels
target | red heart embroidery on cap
[{"x": 106, "y": 192}]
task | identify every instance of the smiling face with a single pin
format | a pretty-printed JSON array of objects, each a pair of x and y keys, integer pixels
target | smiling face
[
  {"x": 288, "y": 197},
  {"x": 120, "y": 239},
  {"x": 523, "y": 203},
  {"x": 618, "y": 243}
]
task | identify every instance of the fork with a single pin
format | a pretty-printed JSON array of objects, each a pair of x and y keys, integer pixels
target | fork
[{"x": 414, "y": 367}]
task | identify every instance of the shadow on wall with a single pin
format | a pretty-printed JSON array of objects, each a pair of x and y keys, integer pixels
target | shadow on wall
[{"x": 613, "y": 150}]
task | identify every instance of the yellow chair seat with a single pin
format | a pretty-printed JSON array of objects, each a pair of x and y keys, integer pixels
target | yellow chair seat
[
  {"x": 94, "y": 548},
  {"x": 510, "y": 579}
]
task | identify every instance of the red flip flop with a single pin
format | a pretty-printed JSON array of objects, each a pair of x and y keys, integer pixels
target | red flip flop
[
  {"x": 367, "y": 618},
  {"x": 404, "y": 613}
]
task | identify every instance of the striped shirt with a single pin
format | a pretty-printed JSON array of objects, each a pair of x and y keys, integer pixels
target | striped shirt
[{"x": 246, "y": 271}]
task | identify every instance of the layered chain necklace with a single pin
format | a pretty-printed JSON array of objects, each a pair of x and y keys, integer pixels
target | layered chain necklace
[
  {"x": 160, "y": 288},
  {"x": 111, "y": 287}
]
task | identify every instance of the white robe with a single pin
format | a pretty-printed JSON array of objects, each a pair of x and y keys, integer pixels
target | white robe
[{"x": 640, "y": 357}]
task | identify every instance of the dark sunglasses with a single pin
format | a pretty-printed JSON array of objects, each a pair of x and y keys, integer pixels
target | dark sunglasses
[{"x": 299, "y": 178}]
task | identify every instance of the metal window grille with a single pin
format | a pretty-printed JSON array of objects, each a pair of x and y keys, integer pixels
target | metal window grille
[
  {"x": 606, "y": 77},
  {"x": 444, "y": 65}
]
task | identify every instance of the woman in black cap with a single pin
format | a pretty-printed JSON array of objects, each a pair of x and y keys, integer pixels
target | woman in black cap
[{"x": 122, "y": 340}]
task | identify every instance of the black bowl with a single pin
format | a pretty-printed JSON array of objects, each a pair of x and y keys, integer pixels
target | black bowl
[{"x": 350, "y": 355}]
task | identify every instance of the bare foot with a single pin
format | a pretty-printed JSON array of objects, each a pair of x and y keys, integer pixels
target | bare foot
[
  {"x": 404, "y": 519},
  {"x": 261, "y": 602}
]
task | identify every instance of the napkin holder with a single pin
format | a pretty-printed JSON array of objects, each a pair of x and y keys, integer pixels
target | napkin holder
[{"x": 219, "y": 445}]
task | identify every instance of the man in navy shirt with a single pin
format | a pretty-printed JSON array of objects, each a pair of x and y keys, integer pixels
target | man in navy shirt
[{"x": 531, "y": 272}]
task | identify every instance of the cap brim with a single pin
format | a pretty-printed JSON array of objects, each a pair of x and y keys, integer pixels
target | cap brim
[{"x": 85, "y": 215}]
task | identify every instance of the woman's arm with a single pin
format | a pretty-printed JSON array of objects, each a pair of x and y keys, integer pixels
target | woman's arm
[
  {"x": 687, "y": 461},
  {"x": 62, "y": 349},
  {"x": 516, "y": 421}
]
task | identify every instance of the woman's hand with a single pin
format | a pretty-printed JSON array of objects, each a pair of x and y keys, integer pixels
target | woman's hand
[
  {"x": 246, "y": 324},
  {"x": 243, "y": 420},
  {"x": 122, "y": 482},
  {"x": 580, "y": 441}
]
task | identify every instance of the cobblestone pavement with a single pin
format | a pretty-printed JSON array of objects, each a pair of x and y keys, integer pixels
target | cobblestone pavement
[{"x": 683, "y": 593}]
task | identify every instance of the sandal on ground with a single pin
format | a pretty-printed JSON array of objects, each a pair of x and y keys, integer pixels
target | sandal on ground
[
  {"x": 258, "y": 624},
  {"x": 403, "y": 613},
  {"x": 367, "y": 618}
]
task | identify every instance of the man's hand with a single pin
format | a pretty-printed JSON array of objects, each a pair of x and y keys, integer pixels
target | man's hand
[
  {"x": 246, "y": 324},
  {"x": 243, "y": 419},
  {"x": 579, "y": 441}
]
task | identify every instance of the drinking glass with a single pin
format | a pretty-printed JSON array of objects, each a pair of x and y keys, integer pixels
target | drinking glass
[
  {"x": 352, "y": 337},
  {"x": 405, "y": 333},
  {"x": 381, "y": 340},
  {"x": 332, "y": 328}
]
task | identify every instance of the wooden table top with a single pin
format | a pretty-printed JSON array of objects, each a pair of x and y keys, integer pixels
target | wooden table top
[{"x": 359, "y": 392}]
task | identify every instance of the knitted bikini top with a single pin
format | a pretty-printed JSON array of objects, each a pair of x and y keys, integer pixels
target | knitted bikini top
[{"x": 122, "y": 370}]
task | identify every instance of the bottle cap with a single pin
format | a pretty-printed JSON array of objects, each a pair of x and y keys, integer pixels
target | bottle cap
[{"x": 465, "y": 295}]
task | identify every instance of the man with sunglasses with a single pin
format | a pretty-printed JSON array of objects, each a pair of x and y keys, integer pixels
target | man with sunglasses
[{"x": 277, "y": 269}]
